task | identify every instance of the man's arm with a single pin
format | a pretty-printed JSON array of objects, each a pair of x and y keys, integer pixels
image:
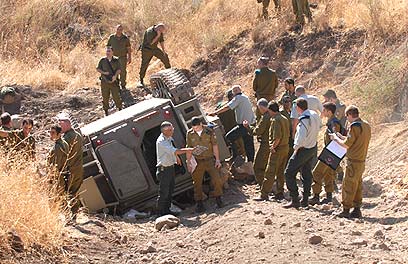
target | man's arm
[
  {"x": 156, "y": 39},
  {"x": 295, "y": 122},
  {"x": 99, "y": 69},
  {"x": 223, "y": 109},
  {"x": 216, "y": 152},
  {"x": 163, "y": 47},
  {"x": 129, "y": 54},
  {"x": 300, "y": 136}
]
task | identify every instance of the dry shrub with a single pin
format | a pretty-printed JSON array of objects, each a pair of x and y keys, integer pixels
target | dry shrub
[{"x": 29, "y": 206}]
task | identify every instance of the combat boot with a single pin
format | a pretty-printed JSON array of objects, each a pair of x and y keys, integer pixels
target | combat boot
[
  {"x": 261, "y": 198},
  {"x": 304, "y": 202},
  {"x": 344, "y": 214},
  {"x": 292, "y": 204},
  {"x": 200, "y": 207},
  {"x": 106, "y": 112},
  {"x": 219, "y": 202},
  {"x": 328, "y": 199},
  {"x": 356, "y": 213},
  {"x": 279, "y": 197},
  {"x": 314, "y": 200}
]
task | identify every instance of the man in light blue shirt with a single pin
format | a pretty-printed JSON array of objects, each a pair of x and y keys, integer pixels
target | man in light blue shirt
[
  {"x": 244, "y": 115},
  {"x": 167, "y": 156},
  {"x": 305, "y": 146}
]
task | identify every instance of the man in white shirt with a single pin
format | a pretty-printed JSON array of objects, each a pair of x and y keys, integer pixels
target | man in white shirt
[
  {"x": 305, "y": 146},
  {"x": 243, "y": 115}
]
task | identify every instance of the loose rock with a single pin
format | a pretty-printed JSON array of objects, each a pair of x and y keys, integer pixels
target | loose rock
[
  {"x": 149, "y": 249},
  {"x": 360, "y": 242},
  {"x": 384, "y": 246},
  {"x": 356, "y": 233},
  {"x": 315, "y": 239},
  {"x": 261, "y": 234},
  {"x": 258, "y": 211},
  {"x": 297, "y": 225},
  {"x": 379, "y": 234},
  {"x": 169, "y": 220},
  {"x": 268, "y": 222}
]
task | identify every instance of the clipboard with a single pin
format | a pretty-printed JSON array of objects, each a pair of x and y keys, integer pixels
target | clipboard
[{"x": 332, "y": 155}]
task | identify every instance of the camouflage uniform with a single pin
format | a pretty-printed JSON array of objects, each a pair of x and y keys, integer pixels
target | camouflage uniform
[
  {"x": 261, "y": 159},
  {"x": 205, "y": 162},
  {"x": 357, "y": 141},
  {"x": 279, "y": 129},
  {"x": 75, "y": 165},
  {"x": 120, "y": 46},
  {"x": 150, "y": 50}
]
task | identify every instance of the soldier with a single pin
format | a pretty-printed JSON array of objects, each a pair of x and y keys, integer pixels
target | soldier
[
  {"x": 286, "y": 109},
  {"x": 265, "y": 5},
  {"x": 6, "y": 122},
  {"x": 200, "y": 135},
  {"x": 279, "y": 149},
  {"x": 58, "y": 156},
  {"x": 305, "y": 145},
  {"x": 21, "y": 140},
  {"x": 122, "y": 49},
  {"x": 261, "y": 130},
  {"x": 322, "y": 172},
  {"x": 75, "y": 160},
  {"x": 243, "y": 114},
  {"x": 167, "y": 156},
  {"x": 330, "y": 96},
  {"x": 356, "y": 143},
  {"x": 301, "y": 8},
  {"x": 109, "y": 68},
  {"x": 10, "y": 101},
  {"x": 289, "y": 90},
  {"x": 265, "y": 82},
  {"x": 153, "y": 36}
]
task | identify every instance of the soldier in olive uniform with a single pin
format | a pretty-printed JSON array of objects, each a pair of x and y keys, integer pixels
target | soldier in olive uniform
[
  {"x": 261, "y": 130},
  {"x": 279, "y": 149},
  {"x": 152, "y": 37},
  {"x": 265, "y": 82},
  {"x": 330, "y": 96},
  {"x": 21, "y": 140},
  {"x": 200, "y": 135},
  {"x": 109, "y": 68},
  {"x": 120, "y": 44},
  {"x": 356, "y": 142},
  {"x": 5, "y": 126},
  {"x": 289, "y": 90},
  {"x": 322, "y": 172},
  {"x": 75, "y": 160},
  {"x": 301, "y": 8},
  {"x": 58, "y": 156},
  {"x": 286, "y": 109}
]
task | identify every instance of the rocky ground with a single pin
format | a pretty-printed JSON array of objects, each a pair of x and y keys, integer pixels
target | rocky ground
[{"x": 245, "y": 231}]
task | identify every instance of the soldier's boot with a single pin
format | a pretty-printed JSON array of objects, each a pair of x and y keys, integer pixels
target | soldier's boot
[
  {"x": 261, "y": 198},
  {"x": 356, "y": 213},
  {"x": 293, "y": 204},
  {"x": 328, "y": 199},
  {"x": 140, "y": 84},
  {"x": 279, "y": 197},
  {"x": 305, "y": 201},
  {"x": 344, "y": 214},
  {"x": 219, "y": 202},
  {"x": 200, "y": 207},
  {"x": 106, "y": 112},
  {"x": 314, "y": 200}
]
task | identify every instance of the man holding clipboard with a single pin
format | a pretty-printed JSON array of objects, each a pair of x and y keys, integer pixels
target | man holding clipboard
[
  {"x": 356, "y": 142},
  {"x": 324, "y": 170}
]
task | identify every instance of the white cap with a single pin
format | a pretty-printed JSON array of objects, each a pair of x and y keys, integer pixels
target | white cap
[{"x": 63, "y": 117}]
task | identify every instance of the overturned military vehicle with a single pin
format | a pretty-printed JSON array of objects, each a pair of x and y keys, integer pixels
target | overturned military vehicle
[{"x": 120, "y": 151}]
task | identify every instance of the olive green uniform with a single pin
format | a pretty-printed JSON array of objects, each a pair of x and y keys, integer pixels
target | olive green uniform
[
  {"x": 58, "y": 157},
  {"x": 4, "y": 141},
  {"x": 20, "y": 143},
  {"x": 75, "y": 164},
  {"x": 150, "y": 50},
  {"x": 301, "y": 8},
  {"x": 120, "y": 46},
  {"x": 291, "y": 141},
  {"x": 277, "y": 160},
  {"x": 357, "y": 141},
  {"x": 261, "y": 159},
  {"x": 264, "y": 85},
  {"x": 291, "y": 95},
  {"x": 341, "y": 115},
  {"x": 106, "y": 87},
  {"x": 265, "y": 5},
  {"x": 322, "y": 172},
  {"x": 205, "y": 162}
]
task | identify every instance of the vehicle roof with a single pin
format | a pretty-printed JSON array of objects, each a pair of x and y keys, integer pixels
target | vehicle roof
[{"x": 123, "y": 115}]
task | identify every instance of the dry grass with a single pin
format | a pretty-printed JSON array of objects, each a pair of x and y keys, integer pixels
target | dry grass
[{"x": 28, "y": 206}]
